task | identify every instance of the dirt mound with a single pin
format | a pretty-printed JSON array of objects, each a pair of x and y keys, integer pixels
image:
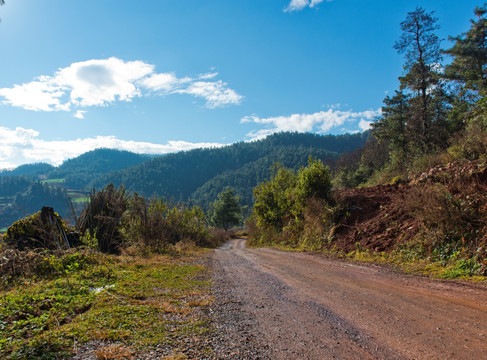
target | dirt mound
[
  {"x": 380, "y": 218},
  {"x": 454, "y": 171},
  {"x": 377, "y": 218}
]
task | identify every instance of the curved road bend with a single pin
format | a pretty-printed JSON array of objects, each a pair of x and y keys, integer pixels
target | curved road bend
[{"x": 304, "y": 306}]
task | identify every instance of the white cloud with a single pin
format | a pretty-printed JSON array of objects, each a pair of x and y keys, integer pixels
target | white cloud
[
  {"x": 298, "y": 5},
  {"x": 208, "y": 76},
  {"x": 40, "y": 95},
  {"x": 215, "y": 93},
  {"x": 364, "y": 125},
  {"x": 166, "y": 82},
  {"x": 80, "y": 114},
  {"x": 313, "y": 3},
  {"x": 21, "y": 146},
  {"x": 320, "y": 122},
  {"x": 104, "y": 81}
]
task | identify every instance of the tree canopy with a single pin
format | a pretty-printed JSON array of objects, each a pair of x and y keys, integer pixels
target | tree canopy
[{"x": 226, "y": 209}]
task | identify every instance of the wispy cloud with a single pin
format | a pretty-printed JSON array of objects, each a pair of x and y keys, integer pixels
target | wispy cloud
[
  {"x": 320, "y": 122},
  {"x": 101, "y": 82},
  {"x": 298, "y": 5},
  {"x": 216, "y": 93},
  {"x": 21, "y": 146}
]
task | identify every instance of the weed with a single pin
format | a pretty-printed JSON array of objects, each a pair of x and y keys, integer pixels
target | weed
[{"x": 131, "y": 303}]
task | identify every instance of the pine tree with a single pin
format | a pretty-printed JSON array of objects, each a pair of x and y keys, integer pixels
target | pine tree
[
  {"x": 226, "y": 209},
  {"x": 391, "y": 128},
  {"x": 421, "y": 48},
  {"x": 469, "y": 65}
]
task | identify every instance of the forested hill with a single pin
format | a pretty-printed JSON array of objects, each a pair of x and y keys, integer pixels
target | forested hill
[
  {"x": 80, "y": 171},
  {"x": 199, "y": 175},
  {"x": 29, "y": 170}
]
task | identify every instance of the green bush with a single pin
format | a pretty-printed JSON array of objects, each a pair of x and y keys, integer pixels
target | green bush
[
  {"x": 158, "y": 225},
  {"x": 292, "y": 209}
]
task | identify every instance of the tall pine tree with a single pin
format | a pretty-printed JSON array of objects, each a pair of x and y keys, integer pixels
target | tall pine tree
[
  {"x": 469, "y": 65},
  {"x": 421, "y": 48}
]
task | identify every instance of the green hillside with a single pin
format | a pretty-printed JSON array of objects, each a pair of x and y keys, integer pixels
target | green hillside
[
  {"x": 80, "y": 171},
  {"x": 29, "y": 170},
  {"x": 199, "y": 175}
]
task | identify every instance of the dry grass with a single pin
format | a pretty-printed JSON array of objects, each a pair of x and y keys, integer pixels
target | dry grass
[{"x": 115, "y": 352}]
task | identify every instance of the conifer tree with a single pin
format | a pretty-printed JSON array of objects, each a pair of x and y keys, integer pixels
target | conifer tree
[
  {"x": 469, "y": 65},
  {"x": 391, "y": 128},
  {"x": 421, "y": 48},
  {"x": 226, "y": 209}
]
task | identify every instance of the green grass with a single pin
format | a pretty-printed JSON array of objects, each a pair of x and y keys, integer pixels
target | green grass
[
  {"x": 88, "y": 296},
  {"x": 3, "y": 230},
  {"x": 52, "y": 181},
  {"x": 464, "y": 269},
  {"x": 81, "y": 200},
  {"x": 408, "y": 262}
]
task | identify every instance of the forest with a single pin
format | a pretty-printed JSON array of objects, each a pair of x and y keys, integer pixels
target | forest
[{"x": 438, "y": 110}]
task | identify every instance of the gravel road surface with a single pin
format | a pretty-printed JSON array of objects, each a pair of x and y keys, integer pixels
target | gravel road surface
[{"x": 272, "y": 304}]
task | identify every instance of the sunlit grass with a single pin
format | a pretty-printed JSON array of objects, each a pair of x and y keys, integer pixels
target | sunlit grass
[
  {"x": 138, "y": 302},
  {"x": 407, "y": 262}
]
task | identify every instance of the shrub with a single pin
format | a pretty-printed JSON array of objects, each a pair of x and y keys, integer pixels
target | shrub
[
  {"x": 158, "y": 225},
  {"x": 102, "y": 216},
  {"x": 291, "y": 208},
  {"x": 16, "y": 264},
  {"x": 219, "y": 236},
  {"x": 454, "y": 219}
]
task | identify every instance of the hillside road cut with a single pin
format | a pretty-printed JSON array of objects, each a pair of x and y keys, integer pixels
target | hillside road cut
[{"x": 271, "y": 304}]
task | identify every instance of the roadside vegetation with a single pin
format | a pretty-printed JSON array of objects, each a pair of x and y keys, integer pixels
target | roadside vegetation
[
  {"x": 123, "y": 281},
  {"x": 195, "y": 177},
  {"x": 423, "y": 170},
  {"x": 123, "y": 305}
]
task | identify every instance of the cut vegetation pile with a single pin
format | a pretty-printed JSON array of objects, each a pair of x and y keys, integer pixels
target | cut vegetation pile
[{"x": 377, "y": 219}]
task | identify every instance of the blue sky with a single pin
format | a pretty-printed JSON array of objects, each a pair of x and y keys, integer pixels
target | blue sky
[{"x": 168, "y": 75}]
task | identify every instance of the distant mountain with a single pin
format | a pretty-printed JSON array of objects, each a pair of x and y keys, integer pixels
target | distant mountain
[
  {"x": 198, "y": 175},
  {"x": 21, "y": 196},
  {"x": 12, "y": 185},
  {"x": 29, "y": 170}
]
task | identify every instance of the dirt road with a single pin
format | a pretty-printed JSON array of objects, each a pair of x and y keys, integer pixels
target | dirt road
[{"x": 280, "y": 305}]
